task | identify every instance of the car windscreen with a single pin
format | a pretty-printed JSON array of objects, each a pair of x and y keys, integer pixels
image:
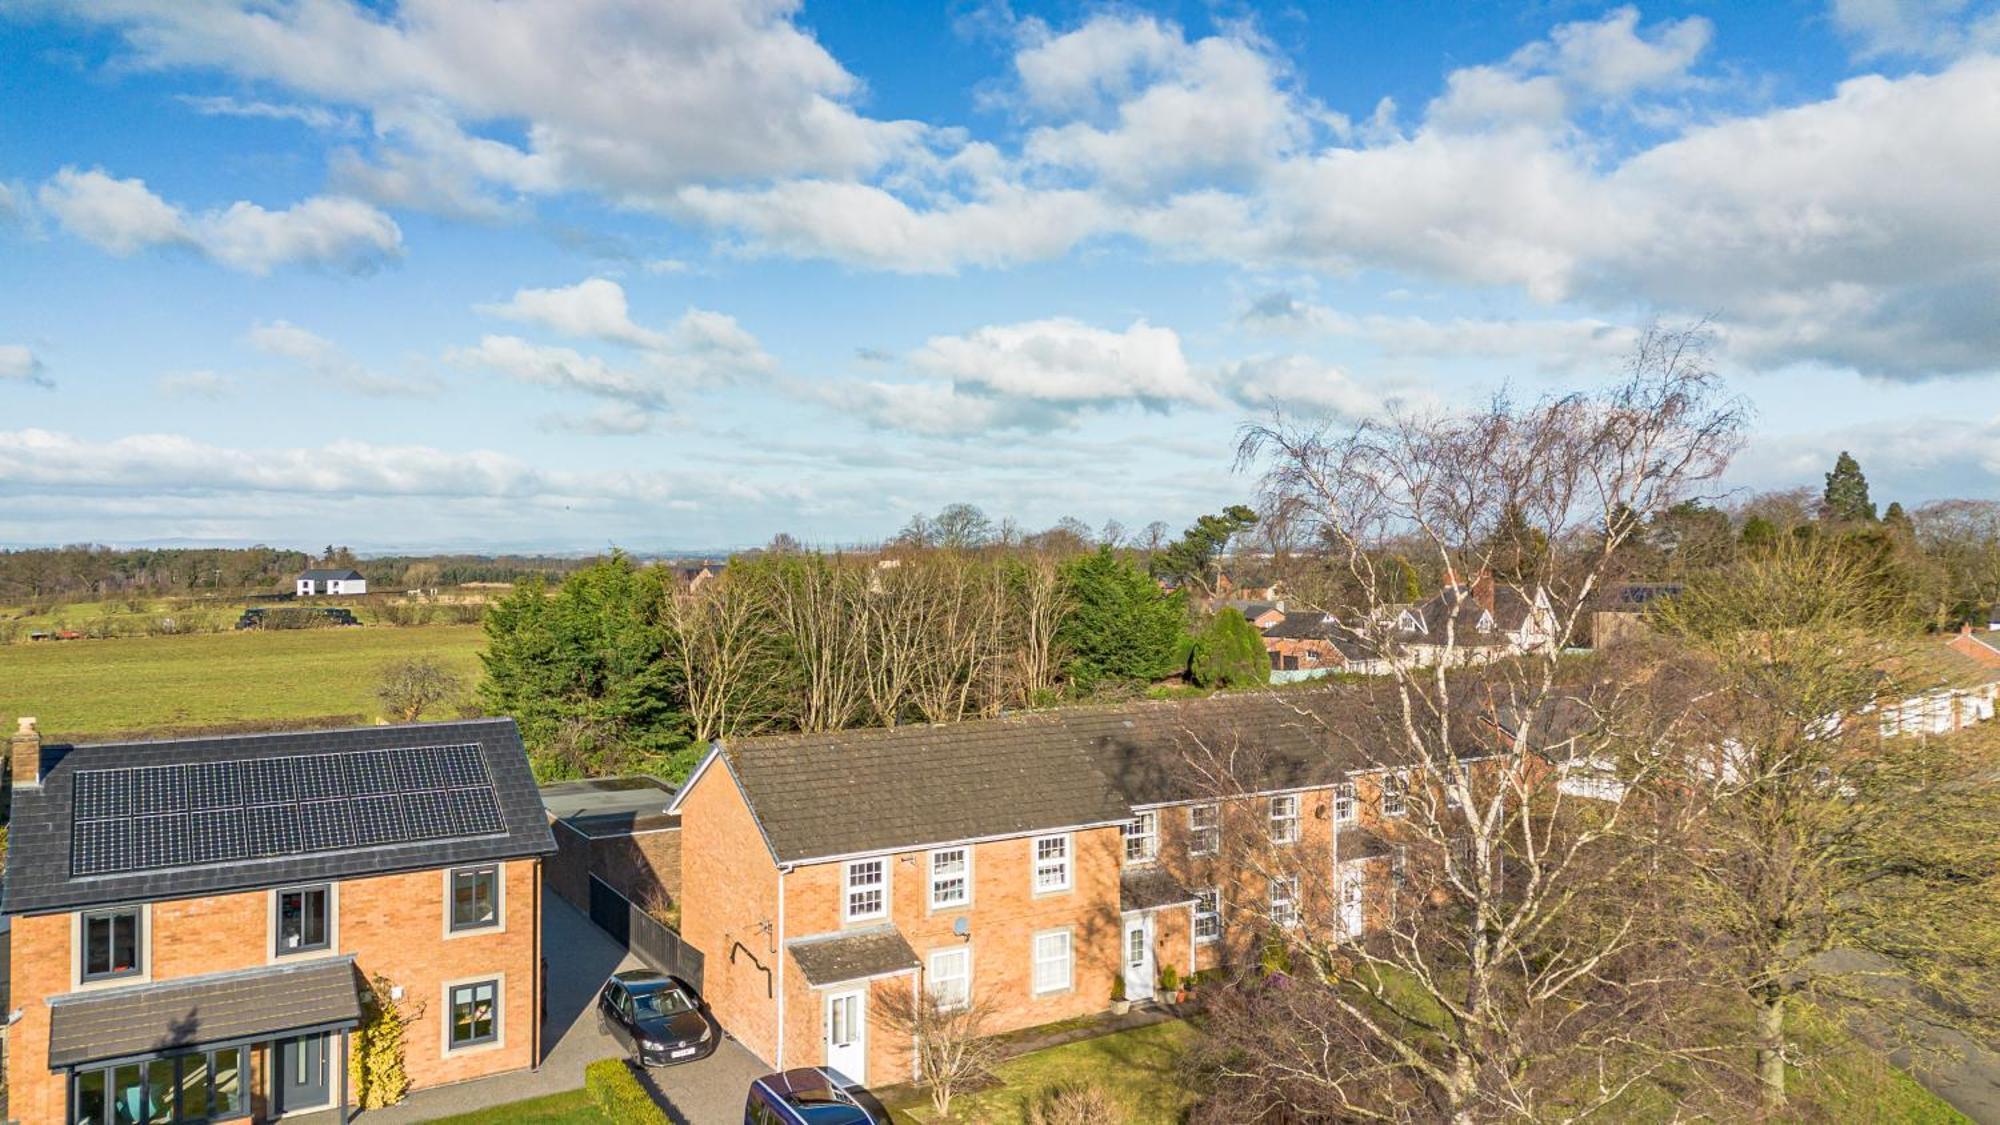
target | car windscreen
[{"x": 661, "y": 1003}]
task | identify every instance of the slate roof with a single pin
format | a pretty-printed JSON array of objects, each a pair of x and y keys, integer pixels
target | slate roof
[
  {"x": 1320, "y": 627},
  {"x": 1266, "y": 740},
  {"x": 836, "y": 958},
  {"x": 338, "y": 575},
  {"x": 853, "y": 791},
  {"x": 1145, "y": 888},
  {"x": 145, "y": 1019},
  {"x": 38, "y": 862}
]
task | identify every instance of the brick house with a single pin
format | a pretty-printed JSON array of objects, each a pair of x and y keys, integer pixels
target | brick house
[
  {"x": 195, "y": 922},
  {"x": 1029, "y": 860}
]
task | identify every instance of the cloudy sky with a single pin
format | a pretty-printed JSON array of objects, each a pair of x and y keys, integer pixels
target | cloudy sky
[{"x": 562, "y": 273}]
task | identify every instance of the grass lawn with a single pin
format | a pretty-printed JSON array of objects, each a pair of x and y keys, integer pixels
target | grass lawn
[
  {"x": 571, "y": 1108},
  {"x": 1137, "y": 1067},
  {"x": 91, "y": 688}
]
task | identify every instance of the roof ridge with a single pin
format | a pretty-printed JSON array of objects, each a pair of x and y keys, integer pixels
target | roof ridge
[{"x": 485, "y": 720}]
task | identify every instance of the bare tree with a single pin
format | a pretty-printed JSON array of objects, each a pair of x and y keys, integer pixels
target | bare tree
[
  {"x": 813, "y": 599},
  {"x": 1831, "y": 867},
  {"x": 719, "y": 641},
  {"x": 1523, "y": 984},
  {"x": 409, "y": 688},
  {"x": 949, "y": 1037}
]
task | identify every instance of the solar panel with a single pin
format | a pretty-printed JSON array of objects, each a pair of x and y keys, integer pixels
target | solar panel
[{"x": 150, "y": 817}]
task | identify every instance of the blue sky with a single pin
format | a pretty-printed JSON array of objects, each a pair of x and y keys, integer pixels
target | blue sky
[{"x": 564, "y": 273}]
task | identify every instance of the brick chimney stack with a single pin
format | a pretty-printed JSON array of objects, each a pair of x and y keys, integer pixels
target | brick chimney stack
[
  {"x": 1482, "y": 589},
  {"x": 24, "y": 755}
]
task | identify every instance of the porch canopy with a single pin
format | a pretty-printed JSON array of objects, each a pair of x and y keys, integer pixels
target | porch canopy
[
  {"x": 1149, "y": 888},
  {"x": 237, "y": 1007},
  {"x": 878, "y": 951}
]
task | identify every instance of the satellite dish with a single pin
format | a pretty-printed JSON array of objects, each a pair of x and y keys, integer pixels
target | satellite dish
[{"x": 962, "y": 926}]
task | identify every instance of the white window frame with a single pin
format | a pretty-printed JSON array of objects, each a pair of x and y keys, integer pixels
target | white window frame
[
  {"x": 1064, "y": 864},
  {"x": 1288, "y": 917},
  {"x": 932, "y": 977},
  {"x": 1346, "y": 806},
  {"x": 847, "y": 889},
  {"x": 1205, "y": 839},
  {"x": 1212, "y": 915},
  {"x": 1143, "y": 829},
  {"x": 1285, "y": 826},
  {"x": 1038, "y": 959},
  {"x": 1398, "y": 783},
  {"x": 964, "y": 877}
]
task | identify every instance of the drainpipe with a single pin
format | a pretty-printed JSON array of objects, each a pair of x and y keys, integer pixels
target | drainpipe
[{"x": 778, "y": 965}]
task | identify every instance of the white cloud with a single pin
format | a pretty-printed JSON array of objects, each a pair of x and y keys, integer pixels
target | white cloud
[
  {"x": 19, "y": 364},
  {"x": 1580, "y": 345},
  {"x": 311, "y": 116},
  {"x": 595, "y": 308},
  {"x": 1295, "y": 382},
  {"x": 1065, "y": 361},
  {"x": 323, "y": 360},
  {"x": 561, "y": 369},
  {"x": 1919, "y": 28},
  {"x": 125, "y": 217},
  {"x": 1103, "y": 60},
  {"x": 196, "y": 384}
]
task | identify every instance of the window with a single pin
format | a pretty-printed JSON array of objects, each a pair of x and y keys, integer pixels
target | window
[
  {"x": 1392, "y": 794},
  {"x": 1204, "y": 834},
  {"x": 1142, "y": 838},
  {"x": 1051, "y": 863},
  {"x": 951, "y": 877},
  {"x": 1399, "y": 865},
  {"x": 1052, "y": 962},
  {"x": 1285, "y": 901},
  {"x": 1207, "y": 915},
  {"x": 951, "y": 977},
  {"x": 475, "y": 1014},
  {"x": 112, "y": 940},
  {"x": 1343, "y": 803},
  {"x": 204, "y": 1086},
  {"x": 475, "y": 898},
  {"x": 1285, "y": 819},
  {"x": 867, "y": 884},
  {"x": 304, "y": 919}
]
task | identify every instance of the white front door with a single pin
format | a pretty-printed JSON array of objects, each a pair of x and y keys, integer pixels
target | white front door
[
  {"x": 847, "y": 1033},
  {"x": 1352, "y": 879},
  {"x": 1138, "y": 956}
]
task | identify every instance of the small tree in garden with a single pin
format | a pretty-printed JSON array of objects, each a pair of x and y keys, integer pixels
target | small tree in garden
[
  {"x": 952, "y": 1048},
  {"x": 409, "y": 688},
  {"x": 376, "y": 1051},
  {"x": 1229, "y": 652}
]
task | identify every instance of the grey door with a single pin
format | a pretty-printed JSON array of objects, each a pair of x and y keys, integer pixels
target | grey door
[{"x": 302, "y": 1073}]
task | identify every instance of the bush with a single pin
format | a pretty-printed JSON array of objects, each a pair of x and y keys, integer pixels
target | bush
[
  {"x": 1229, "y": 652},
  {"x": 1170, "y": 979},
  {"x": 616, "y": 1090},
  {"x": 1073, "y": 1104}
]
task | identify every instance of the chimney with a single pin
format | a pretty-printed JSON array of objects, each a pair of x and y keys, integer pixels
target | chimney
[
  {"x": 24, "y": 753},
  {"x": 1482, "y": 590},
  {"x": 1965, "y": 628}
]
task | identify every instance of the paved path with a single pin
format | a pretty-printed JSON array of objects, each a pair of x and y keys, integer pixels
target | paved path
[
  {"x": 580, "y": 956},
  {"x": 1953, "y": 1066}
]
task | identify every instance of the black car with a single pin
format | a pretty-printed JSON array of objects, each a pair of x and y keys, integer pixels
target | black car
[
  {"x": 811, "y": 1095},
  {"x": 659, "y": 1018}
]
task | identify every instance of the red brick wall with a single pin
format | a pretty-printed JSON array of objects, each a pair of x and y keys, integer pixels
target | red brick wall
[
  {"x": 393, "y": 924},
  {"x": 729, "y": 909},
  {"x": 643, "y": 866}
]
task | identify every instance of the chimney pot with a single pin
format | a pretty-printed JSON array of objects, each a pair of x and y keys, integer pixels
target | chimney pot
[{"x": 24, "y": 755}]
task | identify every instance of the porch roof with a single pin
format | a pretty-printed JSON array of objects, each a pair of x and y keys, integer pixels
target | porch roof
[
  {"x": 155, "y": 1019},
  {"x": 1149, "y": 888},
  {"x": 836, "y": 958}
]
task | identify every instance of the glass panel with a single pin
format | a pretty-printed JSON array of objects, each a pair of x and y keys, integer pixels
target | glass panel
[
  {"x": 128, "y": 1097},
  {"x": 228, "y": 1092},
  {"x": 472, "y": 1013},
  {"x": 160, "y": 1092},
  {"x": 474, "y": 898},
  {"x": 90, "y": 1098},
  {"x": 194, "y": 1086},
  {"x": 302, "y": 920}
]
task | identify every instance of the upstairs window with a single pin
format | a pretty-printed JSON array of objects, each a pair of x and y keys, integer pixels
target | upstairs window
[
  {"x": 1392, "y": 795},
  {"x": 1343, "y": 803},
  {"x": 1285, "y": 819},
  {"x": 305, "y": 919},
  {"x": 475, "y": 898},
  {"x": 1204, "y": 831},
  {"x": 951, "y": 877},
  {"x": 1052, "y": 863},
  {"x": 112, "y": 940},
  {"x": 1285, "y": 901},
  {"x": 867, "y": 890},
  {"x": 1142, "y": 838}
]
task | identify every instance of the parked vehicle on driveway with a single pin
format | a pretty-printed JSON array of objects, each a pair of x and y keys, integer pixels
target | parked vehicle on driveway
[
  {"x": 811, "y": 1095},
  {"x": 659, "y": 1018}
]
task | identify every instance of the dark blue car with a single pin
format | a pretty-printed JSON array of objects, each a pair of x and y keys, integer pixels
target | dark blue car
[{"x": 811, "y": 1095}]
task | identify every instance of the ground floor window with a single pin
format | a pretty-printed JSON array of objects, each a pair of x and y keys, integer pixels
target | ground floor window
[
  {"x": 206, "y": 1086},
  {"x": 475, "y": 1013},
  {"x": 1052, "y": 962},
  {"x": 951, "y": 977}
]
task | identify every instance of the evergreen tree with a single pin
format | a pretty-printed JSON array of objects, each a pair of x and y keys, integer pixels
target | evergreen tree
[
  {"x": 1121, "y": 626},
  {"x": 1193, "y": 558},
  {"x": 1759, "y": 533},
  {"x": 1516, "y": 550},
  {"x": 1897, "y": 519},
  {"x": 1846, "y": 497},
  {"x": 1229, "y": 652}
]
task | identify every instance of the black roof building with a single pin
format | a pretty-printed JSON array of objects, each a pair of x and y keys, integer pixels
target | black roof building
[
  {"x": 342, "y": 574},
  {"x": 147, "y": 821}
]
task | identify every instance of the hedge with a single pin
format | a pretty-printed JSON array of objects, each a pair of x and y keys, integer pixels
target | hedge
[{"x": 617, "y": 1092}]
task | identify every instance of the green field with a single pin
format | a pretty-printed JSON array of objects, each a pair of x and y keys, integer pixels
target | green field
[{"x": 163, "y": 685}]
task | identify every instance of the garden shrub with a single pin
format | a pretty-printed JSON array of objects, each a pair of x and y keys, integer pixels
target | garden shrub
[{"x": 616, "y": 1090}]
